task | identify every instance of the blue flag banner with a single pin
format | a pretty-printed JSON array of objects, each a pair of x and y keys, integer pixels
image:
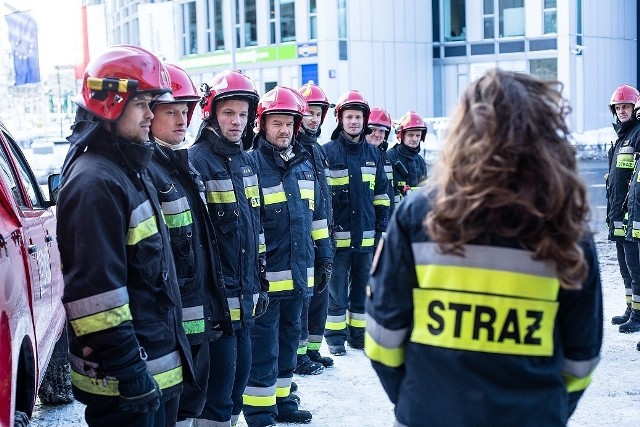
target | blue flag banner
[{"x": 23, "y": 38}]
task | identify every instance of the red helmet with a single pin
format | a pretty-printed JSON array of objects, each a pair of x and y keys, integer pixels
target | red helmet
[
  {"x": 380, "y": 118},
  {"x": 182, "y": 89},
  {"x": 283, "y": 100},
  {"x": 228, "y": 84},
  {"x": 315, "y": 96},
  {"x": 411, "y": 121},
  {"x": 352, "y": 100},
  {"x": 117, "y": 75},
  {"x": 624, "y": 94},
  {"x": 637, "y": 108}
]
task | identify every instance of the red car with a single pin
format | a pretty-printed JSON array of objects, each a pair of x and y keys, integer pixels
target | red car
[{"x": 32, "y": 317}]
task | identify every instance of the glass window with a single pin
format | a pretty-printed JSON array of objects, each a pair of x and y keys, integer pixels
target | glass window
[
  {"x": 189, "y": 28},
  {"x": 250, "y": 23},
  {"x": 511, "y": 18},
  {"x": 214, "y": 33},
  {"x": 6, "y": 174},
  {"x": 25, "y": 175},
  {"x": 455, "y": 26},
  {"x": 550, "y": 12},
  {"x": 342, "y": 19},
  {"x": 272, "y": 22},
  {"x": 313, "y": 20},
  {"x": 287, "y": 21},
  {"x": 489, "y": 19},
  {"x": 545, "y": 69},
  {"x": 435, "y": 18}
]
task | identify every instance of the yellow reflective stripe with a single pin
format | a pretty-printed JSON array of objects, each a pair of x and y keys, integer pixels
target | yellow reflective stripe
[
  {"x": 252, "y": 192},
  {"x": 357, "y": 320},
  {"x": 381, "y": 200},
  {"x": 144, "y": 229},
  {"x": 307, "y": 189},
  {"x": 368, "y": 242},
  {"x": 471, "y": 279},
  {"x": 262, "y": 247},
  {"x": 221, "y": 197},
  {"x": 193, "y": 326},
  {"x": 319, "y": 229},
  {"x": 343, "y": 239},
  {"x": 367, "y": 177},
  {"x": 574, "y": 384},
  {"x": 280, "y": 285},
  {"x": 178, "y": 220},
  {"x": 169, "y": 378},
  {"x": 270, "y": 199},
  {"x": 101, "y": 321},
  {"x": 104, "y": 387},
  {"x": 392, "y": 357},
  {"x": 484, "y": 323},
  {"x": 338, "y": 181},
  {"x": 307, "y": 194},
  {"x": 259, "y": 396},
  {"x": 234, "y": 308},
  {"x": 624, "y": 161}
]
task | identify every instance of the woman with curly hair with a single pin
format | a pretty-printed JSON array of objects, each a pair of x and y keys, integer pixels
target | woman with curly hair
[{"x": 484, "y": 305}]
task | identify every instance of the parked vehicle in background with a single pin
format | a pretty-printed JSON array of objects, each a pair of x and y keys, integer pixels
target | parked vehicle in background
[{"x": 32, "y": 318}]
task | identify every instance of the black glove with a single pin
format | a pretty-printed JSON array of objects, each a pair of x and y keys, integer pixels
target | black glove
[
  {"x": 322, "y": 275},
  {"x": 139, "y": 394},
  {"x": 261, "y": 304}
]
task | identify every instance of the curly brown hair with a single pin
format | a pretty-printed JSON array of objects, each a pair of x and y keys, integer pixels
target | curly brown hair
[{"x": 507, "y": 169}]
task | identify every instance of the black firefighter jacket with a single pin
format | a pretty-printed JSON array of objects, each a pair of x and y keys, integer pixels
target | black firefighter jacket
[
  {"x": 233, "y": 198},
  {"x": 121, "y": 294},
  {"x": 205, "y": 313},
  {"x": 409, "y": 170}
]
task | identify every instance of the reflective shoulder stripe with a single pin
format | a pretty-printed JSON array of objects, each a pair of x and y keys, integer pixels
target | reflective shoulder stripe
[
  {"x": 142, "y": 224},
  {"x": 307, "y": 189},
  {"x": 177, "y": 213},
  {"x": 368, "y": 170},
  {"x": 251, "y": 189},
  {"x": 220, "y": 191},
  {"x": 274, "y": 194},
  {"x": 219, "y": 185},
  {"x": 338, "y": 177},
  {"x": 175, "y": 206}
]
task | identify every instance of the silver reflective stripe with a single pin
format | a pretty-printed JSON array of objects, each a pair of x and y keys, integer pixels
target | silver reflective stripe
[
  {"x": 341, "y": 173},
  {"x": 626, "y": 150},
  {"x": 370, "y": 234},
  {"x": 381, "y": 197},
  {"x": 316, "y": 338},
  {"x": 164, "y": 363},
  {"x": 220, "y": 185},
  {"x": 283, "y": 382},
  {"x": 140, "y": 214},
  {"x": 261, "y": 239},
  {"x": 319, "y": 224},
  {"x": 255, "y": 298},
  {"x": 628, "y": 292},
  {"x": 580, "y": 368},
  {"x": 305, "y": 184},
  {"x": 337, "y": 319},
  {"x": 341, "y": 235},
  {"x": 310, "y": 271},
  {"x": 250, "y": 181},
  {"x": 192, "y": 313},
  {"x": 276, "y": 276},
  {"x": 326, "y": 173},
  {"x": 97, "y": 303},
  {"x": 388, "y": 168},
  {"x": 356, "y": 316},
  {"x": 233, "y": 302},
  {"x": 175, "y": 207},
  {"x": 485, "y": 257},
  {"x": 368, "y": 170},
  {"x": 396, "y": 198},
  {"x": 387, "y": 338},
  {"x": 272, "y": 190},
  {"x": 260, "y": 391},
  {"x": 618, "y": 224}
]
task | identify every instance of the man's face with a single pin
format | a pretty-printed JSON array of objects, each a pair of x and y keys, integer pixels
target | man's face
[
  {"x": 169, "y": 123},
  {"x": 376, "y": 137},
  {"x": 624, "y": 112},
  {"x": 411, "y": 138},
  {"x": 312, "y": 122},
  {"x": 232, "y": 115},
  {"x": 352, "y": 122},
  {"x": 135, "y": 122},
  {"x": 279, "y": 129}
]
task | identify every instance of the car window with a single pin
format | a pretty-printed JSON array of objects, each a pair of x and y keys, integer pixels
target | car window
[
  {"x": 7, "y": 176},
  {"x": 29, "y": 182}
]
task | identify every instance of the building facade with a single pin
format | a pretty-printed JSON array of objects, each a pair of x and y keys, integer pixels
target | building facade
[{"x": 401, "y": 54}]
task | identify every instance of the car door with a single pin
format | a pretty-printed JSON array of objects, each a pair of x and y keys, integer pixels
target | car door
[{"x": 39, "y": 240}]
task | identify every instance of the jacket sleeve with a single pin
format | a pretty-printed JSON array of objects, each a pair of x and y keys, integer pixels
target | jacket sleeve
[
  {"x": 320, "y": 225},
  {"x": 580, "y": 322},
  {"x": 92, "y": 229},
  {"x": 389, "y": 304},
  {"x": 381, "y": 200}
]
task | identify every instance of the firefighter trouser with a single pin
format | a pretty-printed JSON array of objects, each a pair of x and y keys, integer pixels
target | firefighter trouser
[
  {"x": 317, "y": 318},
  {"x": 347, "y": 287},
  {"x": 193, "y": 397},
  {"x": 304, "y": 327},
  {"x": 228, "y": 376},
  {"x": 109, "y": 416},
  {"x": 629, "y": 262},
  {"x": 274, "y": 341}
]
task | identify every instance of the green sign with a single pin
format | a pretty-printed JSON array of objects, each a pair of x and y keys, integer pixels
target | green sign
[{"x": 249, "y": 55}]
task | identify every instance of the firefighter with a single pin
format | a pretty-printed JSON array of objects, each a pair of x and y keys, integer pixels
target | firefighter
[
  {"x": 360, "y": 206},
  {"x": 231, "y": 181},
  {"x": 621, "y": 161},
  {"x": 484, "y": 305},
  {"x": 633, "y": 232},
  {"x": 314, "y": 311},
  {"x": 128, "y": 350},
  {"x": 298, "y": 248},
  {"x": 378, "y": 136},
  {"x": 205, "y": 312},
  {"x": 409, "y": 167}
]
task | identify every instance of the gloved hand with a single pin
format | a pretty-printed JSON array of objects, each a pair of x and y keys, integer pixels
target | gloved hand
[
  {"x": 139, "y": 394},
  {"x": 261, "y": 304},
  {"x": 322, "y": 275}
]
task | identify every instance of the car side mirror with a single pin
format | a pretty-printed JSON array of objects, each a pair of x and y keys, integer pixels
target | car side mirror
[{"x": 54, "y": 182}]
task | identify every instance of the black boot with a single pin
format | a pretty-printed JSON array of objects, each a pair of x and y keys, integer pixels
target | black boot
[
  {"x": 619, "y": 320},
  {"x": 307, "y": 367},
  {"x": 299, "y": 416},
  {"x": 631, "y": 325},
  {"x": 294, "y": 387},
  {"x": 318, "y": 358}
]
